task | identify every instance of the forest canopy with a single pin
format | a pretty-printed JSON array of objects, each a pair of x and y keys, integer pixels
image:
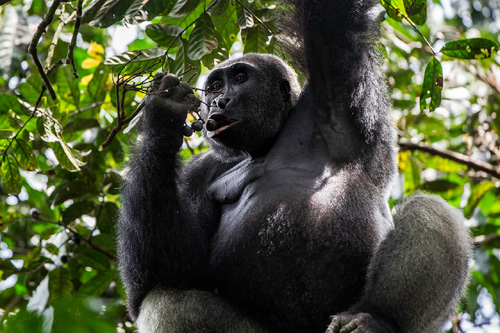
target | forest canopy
[{"x": 72, "y": 78}]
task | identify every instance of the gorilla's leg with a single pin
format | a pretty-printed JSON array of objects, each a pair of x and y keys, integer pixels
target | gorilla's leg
[
  {"x": 174, "y": 310},
  {"x": 416, "y": 278}
]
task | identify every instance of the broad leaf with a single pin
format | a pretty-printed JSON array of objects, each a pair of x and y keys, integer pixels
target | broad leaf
[
  {"x": 475, "y": 48},
  {"x": 136, "y": 61},
  {"x": 67, "y": 85},
  {"x": 395, "y": 9},
  {"x": 76, "y": 210},
  {"x": 244, "y": 19},
  {"x": 25, "y": 155},
  {"x": 68, "y": 158},
  {"x": 416, "y": 10},
  {"x": 60, "y": 284},
  {"x": 9, "y": 102},
  {"x": 102, "y": 14},
  {"x": 203, "y": 38},
  {"x": 256, "y": 40},
  {"x": 183, "y": 8},
  {"x": 97, "y": 87},
  {"x": 164, "y": 34},
  {"x": 98, "y": 284},
  {"x": 432, "y": 86},
  {"x": 11, "y": 178}
]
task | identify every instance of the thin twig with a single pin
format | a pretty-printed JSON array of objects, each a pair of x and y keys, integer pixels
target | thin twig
[
  {"x": 410, "y": 22},
  {"x": 453, "y": 156},
  {"x": 34, "y": 42},
  {"x": 72, "y": 44}
]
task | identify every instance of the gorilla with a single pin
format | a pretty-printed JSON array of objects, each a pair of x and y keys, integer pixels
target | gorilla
[{"x": 283, "y": 225}]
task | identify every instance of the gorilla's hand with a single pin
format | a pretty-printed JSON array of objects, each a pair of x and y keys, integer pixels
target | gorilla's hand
[
  {"x": 168, "y": 102},
  {"x": 357, "y": 323}
]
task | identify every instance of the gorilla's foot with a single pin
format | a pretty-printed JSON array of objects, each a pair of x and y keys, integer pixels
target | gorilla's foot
[{"x": 358, "y": 323}]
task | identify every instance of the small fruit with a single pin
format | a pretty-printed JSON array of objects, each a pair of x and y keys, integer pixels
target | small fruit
[
  {"x": 64, "y": 258},
  {"x": 197, "y": 125},
  {"x": 187, "y": 131},
  {"x": 211, "y": 125}
]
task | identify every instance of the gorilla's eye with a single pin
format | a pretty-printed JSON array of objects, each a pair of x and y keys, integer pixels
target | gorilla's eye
[
  {"x": 241, "y": 78},
  {"x": 216, "y": 86}
]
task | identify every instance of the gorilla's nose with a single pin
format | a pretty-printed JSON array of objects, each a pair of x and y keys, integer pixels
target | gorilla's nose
[{"x": 222, "y": 102}]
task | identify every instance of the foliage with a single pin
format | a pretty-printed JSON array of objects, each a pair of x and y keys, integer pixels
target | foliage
[{"x": 63, "y": 137}]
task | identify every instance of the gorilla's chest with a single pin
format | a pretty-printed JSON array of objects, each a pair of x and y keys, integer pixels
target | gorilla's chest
[{"x": 286, "y": 244}]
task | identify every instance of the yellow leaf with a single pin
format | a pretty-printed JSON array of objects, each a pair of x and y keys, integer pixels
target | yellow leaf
[
  {"x": 190, "y": 117},
  {"x": 91, "y": 63},
  {"x": 95, "y": 50},
  {"x": 86, "y": 79}
]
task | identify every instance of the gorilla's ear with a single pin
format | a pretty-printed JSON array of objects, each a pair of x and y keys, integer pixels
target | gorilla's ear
[{"x": 285, "y": 89}]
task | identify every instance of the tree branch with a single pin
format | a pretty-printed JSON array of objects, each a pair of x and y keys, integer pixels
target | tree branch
[
  {"x": 453, "y": 156},
  {"x": 34, "y": 42}
]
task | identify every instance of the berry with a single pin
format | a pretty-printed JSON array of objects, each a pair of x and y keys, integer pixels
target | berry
[
  {"x": 64, "y": 258},
  {"x": 197, "y": 125},
  {"x": 211, "y": 125},
  {"x": 187, "y": 131}
]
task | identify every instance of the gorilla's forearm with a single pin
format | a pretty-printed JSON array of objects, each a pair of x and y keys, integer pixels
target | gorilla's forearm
[
  {"x": 156, "y": 245},
  {"x": 176, "y": 310}
]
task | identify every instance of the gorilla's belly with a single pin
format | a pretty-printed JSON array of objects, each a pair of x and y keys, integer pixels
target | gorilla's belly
[{"x": 290, "y": 254}]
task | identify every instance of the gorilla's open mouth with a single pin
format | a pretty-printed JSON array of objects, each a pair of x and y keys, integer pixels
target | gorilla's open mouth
[{"x": 218, "y": 123}]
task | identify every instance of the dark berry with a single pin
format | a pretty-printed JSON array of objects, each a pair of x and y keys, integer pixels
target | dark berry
[
  {"x": 35, "y": 214},
  {"x": 187, "y": 131},
  {"x": 76, "y": 239},
  {"x": 197, "y": 125},
  {"x": 211, "y": 125},
  {"x": 64, "y": 258}
]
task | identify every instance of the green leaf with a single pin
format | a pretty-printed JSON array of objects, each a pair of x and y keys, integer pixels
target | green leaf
[
  {"x": 203, "y": 38},
  {"x": 440, "y": 185},
  {"x": 164, "y": 34},
  {"x": 71, "y": 190},
  {"x": 11, "y": 178},
  {"x": 395, "y": 9},
  {"x": 14, "y": 120},
  {"x": 93, "y": 259},
  {"x": 6, "y": 134},
  {"x": 97, "y": 87},
  {"x": 183, "y": 8},
  {"x": 76, "y": 210},
  {"x": 433, "y": 86},
  {"x": 182, "y": 61},
  {"x": 68, "y": 158},
  {"x": 31, "y": 89},
  {"x": 474, "y": 48},
  {"x": 244, "y": 19},
  {"x": 80, "y": 124},
  {"x": 256, "y": 40},
  {"x": 98, "y": 284},
  {"x": 104, "y": 13},
  {"x": 67, "y": 85},
  {"x": 51, "y": 248},
  {"x": 25, "y": 155},
  {"x": 477, "y": 194},
  {"x": 416, "y": 10},
  {"x": 107, "y": 217},
  {"x": 9, "y": 102},
  {"x": 136, "y": 60},
  {"x": 60, "y": 284}
]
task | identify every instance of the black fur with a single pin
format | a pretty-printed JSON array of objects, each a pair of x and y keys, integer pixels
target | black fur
[{"x": 285, "y": 222}]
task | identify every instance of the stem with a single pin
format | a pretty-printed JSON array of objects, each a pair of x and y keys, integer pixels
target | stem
[
  {"x": 34, "y": 42},
  {"x": 410, "y": 22},
  {"x": 72, "y": 44},
  {"x": 453, "y": 156}
]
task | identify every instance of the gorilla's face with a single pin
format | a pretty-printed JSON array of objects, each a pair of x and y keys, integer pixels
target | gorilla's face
[{"x": 245, "y": 108}]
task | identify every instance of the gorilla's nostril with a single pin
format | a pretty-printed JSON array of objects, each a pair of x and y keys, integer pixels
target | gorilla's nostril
[{"x": 222, "y": 102}]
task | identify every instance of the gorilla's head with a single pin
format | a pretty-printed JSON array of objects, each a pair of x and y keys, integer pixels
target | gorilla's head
[{"x": 248, "y": 100}]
